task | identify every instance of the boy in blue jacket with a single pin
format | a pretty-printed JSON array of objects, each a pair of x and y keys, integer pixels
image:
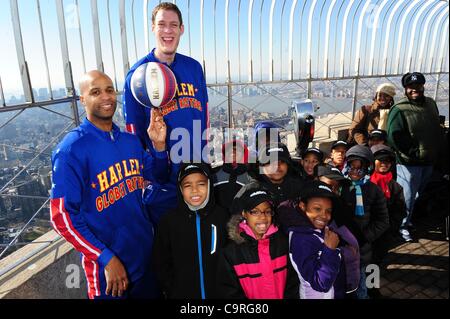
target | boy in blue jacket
[{"x": 96, "y": 203}]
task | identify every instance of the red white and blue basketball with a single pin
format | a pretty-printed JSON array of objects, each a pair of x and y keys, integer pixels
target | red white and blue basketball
[{"x": 153, "y": 84}]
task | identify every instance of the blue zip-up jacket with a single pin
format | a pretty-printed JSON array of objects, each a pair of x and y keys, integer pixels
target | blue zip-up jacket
[
  {"x": 96, "y": 200},
  {"x": 188, "y": 110}
]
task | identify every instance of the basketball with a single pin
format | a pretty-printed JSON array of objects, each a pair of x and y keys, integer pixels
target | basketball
[{"x": 153, "y": 84}]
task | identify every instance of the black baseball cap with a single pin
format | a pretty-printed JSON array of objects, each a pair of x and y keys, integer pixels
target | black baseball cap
[
  {"x": 277, "y": 149},
  {"x": 315, "y": 151},
  {"x": 254, "y": 195},
  {"x": 380, "y": 134},
  {"x": 316, "y": 188},
  {"x": 191, "y": 168},
  {"x": 413, "y": 78},
  {"x": 339, "y": 143},
  {"x": 330, "y": 172}
]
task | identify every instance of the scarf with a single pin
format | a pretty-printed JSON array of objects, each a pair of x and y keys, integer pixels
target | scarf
[
  {"x": 359, "y": 209},
  {"x": 382, "y": 181}
]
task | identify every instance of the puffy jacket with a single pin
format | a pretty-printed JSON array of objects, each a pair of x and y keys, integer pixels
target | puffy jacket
[
  {"x": 414, "y": 132},
  {"x": 256, "y": 269},
  {"x": 300, "y": 231}
]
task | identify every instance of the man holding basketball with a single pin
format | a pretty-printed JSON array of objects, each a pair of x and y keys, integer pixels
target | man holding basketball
[
  {"x": 191, "y": 100},
  {"x": 96, "y": 201},
  {"x": 186, "y": 115}
]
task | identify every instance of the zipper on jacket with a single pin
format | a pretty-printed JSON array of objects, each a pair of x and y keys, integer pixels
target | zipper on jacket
[
  {"x": 112, "y": 135},
  {"x": 200, "y": 259}
]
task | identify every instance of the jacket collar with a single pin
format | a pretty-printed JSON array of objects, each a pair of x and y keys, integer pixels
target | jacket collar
[
  {"x": 152, "y": 57},
  {"x": 92, "y": 129}
]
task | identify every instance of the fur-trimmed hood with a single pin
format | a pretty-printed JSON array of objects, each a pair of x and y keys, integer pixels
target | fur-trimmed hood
[{"x": 240, "y": 232}]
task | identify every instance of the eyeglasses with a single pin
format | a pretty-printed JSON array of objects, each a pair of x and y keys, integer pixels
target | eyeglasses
[{"x": 255, "y": 212}]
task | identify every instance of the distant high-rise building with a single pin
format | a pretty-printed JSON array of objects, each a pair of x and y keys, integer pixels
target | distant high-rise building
[{"x": 43, "y": 94}]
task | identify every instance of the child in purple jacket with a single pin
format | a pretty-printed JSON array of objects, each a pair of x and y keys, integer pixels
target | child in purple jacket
[{"x": 325, "y": 256}]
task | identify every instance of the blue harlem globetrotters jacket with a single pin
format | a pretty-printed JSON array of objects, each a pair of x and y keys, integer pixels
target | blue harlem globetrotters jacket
[
  {"x": 188, "y": 110},
  {"x": 96, "y": 200}
]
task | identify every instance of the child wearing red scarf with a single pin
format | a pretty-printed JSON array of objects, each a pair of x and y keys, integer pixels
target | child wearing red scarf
[{"x": 383, "y": 177}]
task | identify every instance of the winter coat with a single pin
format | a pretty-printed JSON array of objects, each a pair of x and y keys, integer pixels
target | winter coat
[
  {"x": 366, "y": 119},
  {"x": 186, "y": 249},
  {"x": 414, "y": 132},
  {"x": 289, "y": 189},
  {"x": 304, "y": 245},
  {"x": 228, "y": 181},
  {"x": 256, "y": 269},
  {"x": 375, "y": 220}
]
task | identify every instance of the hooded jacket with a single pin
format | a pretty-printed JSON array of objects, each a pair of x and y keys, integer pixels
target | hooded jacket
[
  {"x": 256, "y": 269},
  {"x": 306, "y": 243},
  {"x": 186, "y": 248}
]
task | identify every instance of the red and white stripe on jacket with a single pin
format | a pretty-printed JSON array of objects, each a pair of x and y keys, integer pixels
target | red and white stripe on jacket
[{"x": 62, "y": 222}]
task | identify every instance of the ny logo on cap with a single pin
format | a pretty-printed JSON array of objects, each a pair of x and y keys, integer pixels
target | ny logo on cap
[{"x": 414, "y": 78}]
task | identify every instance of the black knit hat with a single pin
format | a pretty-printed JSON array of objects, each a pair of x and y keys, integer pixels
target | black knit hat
[
  {"x": 191, "y": 168},
  {"x": 360, "y": 152},
  {"x": 413, "y": 78}
]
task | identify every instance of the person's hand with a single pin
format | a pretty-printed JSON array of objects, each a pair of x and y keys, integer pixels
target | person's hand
[
  {"x": 331, "y": 239},
  {"x": 157, "y": 130},
  {"x": 116, "y": 278}
]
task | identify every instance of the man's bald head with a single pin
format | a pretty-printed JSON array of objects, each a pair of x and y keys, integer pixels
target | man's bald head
[{"x": 89, "y": 77}]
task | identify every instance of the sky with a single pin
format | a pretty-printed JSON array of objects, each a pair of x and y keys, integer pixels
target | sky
[{"x": 215, "y": 49}]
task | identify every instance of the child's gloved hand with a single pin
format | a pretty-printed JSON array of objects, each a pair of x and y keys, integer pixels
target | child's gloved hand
[{"x": 331, "y": 239}]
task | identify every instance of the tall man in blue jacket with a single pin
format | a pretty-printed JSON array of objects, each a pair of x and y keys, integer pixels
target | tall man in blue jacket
[
  {"x": 186, "y": 115},
  {"x": 96, "y": 200},
  {"x": 189, "y": 108}
]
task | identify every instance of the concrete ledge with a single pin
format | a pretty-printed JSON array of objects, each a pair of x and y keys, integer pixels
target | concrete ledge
[{"x": 39, "y": 271}]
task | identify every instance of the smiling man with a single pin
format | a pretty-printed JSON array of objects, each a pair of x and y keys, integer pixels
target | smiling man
[
  {"x": 189, "y": 109},
  {"x": 414, "y": 132},
  {"x": 186, "y": 115},
  {"x": 96, "y": 202}
]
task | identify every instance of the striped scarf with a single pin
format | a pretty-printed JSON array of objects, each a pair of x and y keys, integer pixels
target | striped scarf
[{"x": 359, "y": 209}]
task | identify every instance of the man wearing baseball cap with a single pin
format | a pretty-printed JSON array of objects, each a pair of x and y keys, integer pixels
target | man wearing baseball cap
[
  {"x": 368, "y": 117},
  {"x": 415, "y": 134}
]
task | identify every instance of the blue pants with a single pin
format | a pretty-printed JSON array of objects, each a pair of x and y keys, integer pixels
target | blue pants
[
  {"x": 413, "y": 179},
  {"x": 361, "y": 293}
]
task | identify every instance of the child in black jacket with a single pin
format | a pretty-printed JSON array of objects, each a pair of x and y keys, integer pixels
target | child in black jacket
[{"x": 189, "y": 238}]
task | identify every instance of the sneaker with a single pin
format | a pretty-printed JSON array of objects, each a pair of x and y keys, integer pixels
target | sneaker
[{"x": 405, "y": 235}]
